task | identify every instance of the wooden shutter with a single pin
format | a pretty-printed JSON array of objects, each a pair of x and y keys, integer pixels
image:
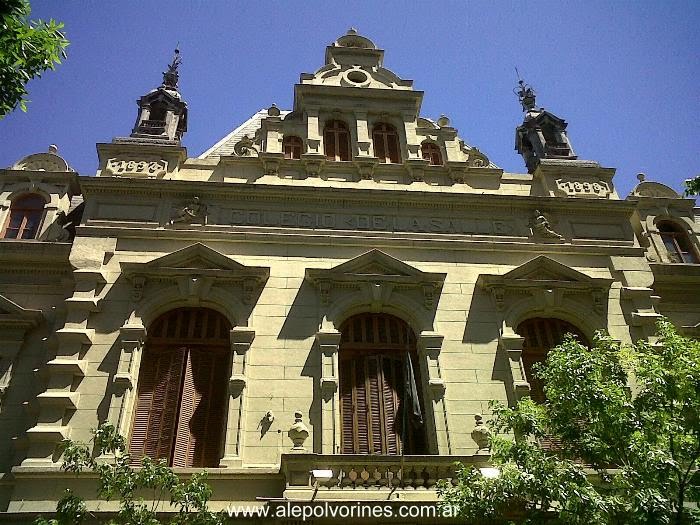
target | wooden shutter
[
  {"x": 157, "y": 403},
  {"x": 370, "y": 393},
  {"x": 201, "y": 418}
]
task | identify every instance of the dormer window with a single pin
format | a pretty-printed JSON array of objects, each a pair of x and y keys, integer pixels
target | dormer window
[
  {"x": 431, "y": 152},
  {"x": 25, "y": 217},
  {"x": 336, "y": 141},
  {"x": 292, "y": 147},
  {"x": 677, "y": 243},
  {"x": 386, "y": 143}
]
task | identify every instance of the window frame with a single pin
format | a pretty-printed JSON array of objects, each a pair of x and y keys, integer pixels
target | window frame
[
  {"x": 198, "y": 354},
  {"x": 674, "y": 249},
  {"x": 295, "y": 144},
  {"x": 25, "y": 213},
  {"x": 336, "y": 136},
  {"x": 437, "y": 151},
  {"x": 386, "y": 142}
]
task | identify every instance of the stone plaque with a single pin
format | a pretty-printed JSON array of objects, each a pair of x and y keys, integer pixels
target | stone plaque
[
  {"x": 139, "y": 167},
  {"x": 583, "y": 188}
]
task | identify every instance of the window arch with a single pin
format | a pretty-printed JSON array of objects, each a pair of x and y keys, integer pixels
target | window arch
[
  {"x": 181, "y": 396},
  {"x": 431, "y": 152},
  {"x": 26, "y": 213},
  {"x": 379, "y": 406},
  {"x": 293, "y": 147},
  {"x": 386, "y": 143},
  {"x": 677, "y": 243},
  {"x": 541, "y": 335},
  {"x": 336, "y": 140}
]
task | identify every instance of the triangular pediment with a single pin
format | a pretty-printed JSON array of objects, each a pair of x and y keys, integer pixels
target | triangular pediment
[
  {"x": 194, "y": 258},
  {"x": 543, "y": 268},
  {"x": 374, "y": 264},
  {"x": 13, "y": 314}
]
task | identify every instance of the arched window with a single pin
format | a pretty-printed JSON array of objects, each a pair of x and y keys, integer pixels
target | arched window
[
  {"x": 336, "y": 140},
  {"x": 179, "y": 415},
  {"x": 677, "y": 243},
  {"x": 25, "y": 217},
  {"x": 431, "y": 152},
  {"x": 386, "y": 143},
  {"x": 293, "y": 147},
  {"x": 541, "y": 335},
  {"x": 379, "y": 404}
]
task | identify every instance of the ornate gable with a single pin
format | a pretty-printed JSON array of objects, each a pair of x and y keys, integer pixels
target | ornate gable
[
  {"x": 378, "y": 275},
  {"x": 545, "y": 276},
  {"x": 195, "y": 269}
]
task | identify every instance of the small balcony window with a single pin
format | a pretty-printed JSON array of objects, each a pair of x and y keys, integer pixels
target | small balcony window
[
  {"x": 386, "y": 143},
  {"x": 677, "y": 243},
  {"x": 431, "y": 152},
  {"x": 336, "y": 141},
  {"x": 25, "y": 217},
  {"x": 293, "y": 147}
]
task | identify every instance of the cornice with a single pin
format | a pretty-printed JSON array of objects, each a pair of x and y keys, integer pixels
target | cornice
[
  {"x": 488, "y": 243},
  {"x": 30, "y": 256},
  {"x": 346, "y": 197}
]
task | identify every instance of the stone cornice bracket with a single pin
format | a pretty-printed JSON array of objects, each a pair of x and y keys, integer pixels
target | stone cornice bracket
[
  {"x": 241, "y": 339},
  {"x": 416, "y": 168},
  {"x": 313, "y": 162},
  {"x": 365, "y": 166},
  {"x": 271, "y": 162},
  {"x": 131, "y": 340},
  {"x": 328, "y": 342}
]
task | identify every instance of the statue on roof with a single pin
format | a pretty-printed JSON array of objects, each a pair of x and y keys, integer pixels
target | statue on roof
[{"x": 171, "y": 76}]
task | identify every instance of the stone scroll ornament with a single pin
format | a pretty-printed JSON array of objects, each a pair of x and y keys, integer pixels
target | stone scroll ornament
[
  {"x": 57, "y": 231},
  {"x": 195, "y": 210},
  {"x": 541, "y": 227}
]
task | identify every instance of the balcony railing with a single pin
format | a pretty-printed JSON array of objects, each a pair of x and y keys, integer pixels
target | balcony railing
[
  {"x": 152, "y": 127},
  {"x": 373, "y": 472}
]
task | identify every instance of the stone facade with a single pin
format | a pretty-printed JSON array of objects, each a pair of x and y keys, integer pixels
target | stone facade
[{"x": 287, "y": 246}]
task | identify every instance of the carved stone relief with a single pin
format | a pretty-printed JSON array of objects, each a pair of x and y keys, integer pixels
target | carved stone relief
[
  {"x": 583, "y": 188},
  {"x": 149, "y": 167}
]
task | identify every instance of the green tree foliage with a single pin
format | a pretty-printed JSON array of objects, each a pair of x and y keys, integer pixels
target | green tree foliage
[
  {"x": 628, "y": 420},
  {"x": 143, "y": 493},
  {"x": 27, "y": 49},
  {"x": 692, "y": 186}
]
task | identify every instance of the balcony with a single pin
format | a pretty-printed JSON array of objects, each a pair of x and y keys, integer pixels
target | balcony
[
  {"x": 152, "y": 127},
  {"x": 376, "y": 476}
]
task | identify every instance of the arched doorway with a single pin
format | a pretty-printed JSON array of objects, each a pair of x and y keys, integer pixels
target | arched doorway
[
  {"x": 181, "y": 396},
  {"x": 541, "y": 335},
  {"x": 380, "y": 406}
]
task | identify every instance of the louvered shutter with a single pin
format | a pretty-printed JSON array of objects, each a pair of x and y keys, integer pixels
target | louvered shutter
[
  {"x": 201, "y": 418},
  {"x": 157, "y": 403},
  {"x": 379, "y": 145},
  {"x": 392, "y": 387}
]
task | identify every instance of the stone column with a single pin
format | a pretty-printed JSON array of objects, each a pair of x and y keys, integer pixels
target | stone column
[
  {"x": 131, "y": 341},
  {"x": 512, "y": 344},
  {"x": 429, "y": 346},
  {"x": 241, "y": 338},
  {"x": 412, "y": 139},
  {"x": 328, "y": 345},
  {"x": 364, "y": 141}
]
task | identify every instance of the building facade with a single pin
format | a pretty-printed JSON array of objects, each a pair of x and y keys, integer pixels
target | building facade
[{"x": 321, "y": 305}]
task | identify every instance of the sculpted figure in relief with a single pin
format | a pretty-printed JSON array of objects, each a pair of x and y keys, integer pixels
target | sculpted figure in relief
[
  {"x": 57, "y": 231},
  {"x": 541, "y": 227},
  {"x": 193, "y": 210}
]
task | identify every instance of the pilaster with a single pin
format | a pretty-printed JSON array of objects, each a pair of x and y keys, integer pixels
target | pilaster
[
  {"x": 328, "y": 342},
  {"x": 429, "y": 346}
]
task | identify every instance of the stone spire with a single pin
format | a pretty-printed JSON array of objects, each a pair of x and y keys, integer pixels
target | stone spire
[
  {"x": 162, "y": 116},
  {"x": 542, "y": 135}
]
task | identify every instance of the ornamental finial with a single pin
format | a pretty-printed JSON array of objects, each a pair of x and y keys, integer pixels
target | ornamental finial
[
  {"x": 525, "y": 94},
  {"x": 171, "y": 76}
]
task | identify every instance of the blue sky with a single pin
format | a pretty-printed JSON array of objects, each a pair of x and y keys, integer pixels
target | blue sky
[{"x": 624, "y": 74}]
